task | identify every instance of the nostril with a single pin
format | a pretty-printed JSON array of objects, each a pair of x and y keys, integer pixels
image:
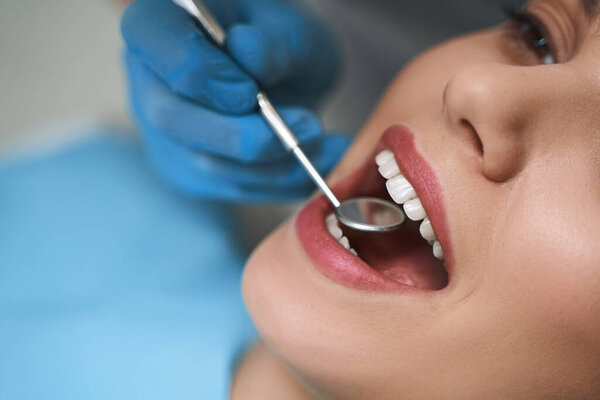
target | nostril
[{"x": 473, "y": 138}]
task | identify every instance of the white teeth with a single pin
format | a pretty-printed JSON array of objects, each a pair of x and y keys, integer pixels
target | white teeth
[
  {"x": 402, "y": 192},
  {"x": 427, "y": 230},
  {"x": 437, "y": 250},
  {"x": 345, "y": 242},
  {"x": 414, "y": 210},
  {"x": 389, "y": 169},
  {"x": 384, "y": 157},
  {"x": 335, "y": 231},
  {"x": 333, "y": 227},
  {"x": 400, "y": 189},
  {"x": 331, "y": 219}
]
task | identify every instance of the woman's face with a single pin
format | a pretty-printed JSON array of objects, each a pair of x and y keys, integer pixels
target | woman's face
[{"x": 503, "y": 151}]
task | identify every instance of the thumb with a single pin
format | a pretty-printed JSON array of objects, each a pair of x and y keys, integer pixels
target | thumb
[{"x": 275, "y": 42}]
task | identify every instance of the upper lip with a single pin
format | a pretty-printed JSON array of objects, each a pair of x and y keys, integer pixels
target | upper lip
[{"x": 400, "y": 140}]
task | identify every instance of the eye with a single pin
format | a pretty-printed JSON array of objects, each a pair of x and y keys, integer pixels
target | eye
[{"x": 530, "y": 35}]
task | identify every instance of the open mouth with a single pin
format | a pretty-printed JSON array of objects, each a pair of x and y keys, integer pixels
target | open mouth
[{"x": 416, "y": 256}]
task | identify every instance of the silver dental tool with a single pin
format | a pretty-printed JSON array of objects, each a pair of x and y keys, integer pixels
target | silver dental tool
[{"x": 367, "y": 214}]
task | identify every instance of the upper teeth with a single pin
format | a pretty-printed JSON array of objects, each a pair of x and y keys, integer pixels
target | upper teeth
[
  {"x": 389, "y": 169},
  {"x": 414, "y": 209},
  {"x": 402, "y": 192},
  {"x": 400, "y": 189},
  {"x": 427, "y": 230}
]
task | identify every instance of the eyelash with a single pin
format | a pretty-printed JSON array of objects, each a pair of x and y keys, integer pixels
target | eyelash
[{"x": 530, "y": 35}]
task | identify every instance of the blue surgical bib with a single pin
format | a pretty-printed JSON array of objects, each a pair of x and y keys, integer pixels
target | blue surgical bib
[{"x": 112, "y": 286}]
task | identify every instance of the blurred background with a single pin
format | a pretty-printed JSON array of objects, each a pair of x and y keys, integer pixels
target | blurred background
[{"x": 60, "y": 69}]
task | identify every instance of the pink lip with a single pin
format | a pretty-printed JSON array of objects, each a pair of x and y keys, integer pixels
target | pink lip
[{"x": 336, "y": 263}]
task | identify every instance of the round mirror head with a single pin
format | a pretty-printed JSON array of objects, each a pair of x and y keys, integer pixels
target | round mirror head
[{"x": 370, "y": 214}]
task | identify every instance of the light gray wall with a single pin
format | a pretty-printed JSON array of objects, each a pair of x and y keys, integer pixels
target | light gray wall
[{"x": 59, "y": 61}]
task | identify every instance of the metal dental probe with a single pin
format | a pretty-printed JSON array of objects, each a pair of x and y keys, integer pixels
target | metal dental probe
[{"x": 367, "y": 214}]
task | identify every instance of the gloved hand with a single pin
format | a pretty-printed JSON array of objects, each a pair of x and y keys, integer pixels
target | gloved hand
[{"x": 197, "y": 108}]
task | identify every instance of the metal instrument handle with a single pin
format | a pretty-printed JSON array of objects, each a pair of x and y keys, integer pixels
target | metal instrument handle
[
  {"x": 291, "y": 143},
  {"x": 200, "y": 12}
]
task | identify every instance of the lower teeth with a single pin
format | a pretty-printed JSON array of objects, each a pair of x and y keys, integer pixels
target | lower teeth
[{"x": 336, "y": 232}]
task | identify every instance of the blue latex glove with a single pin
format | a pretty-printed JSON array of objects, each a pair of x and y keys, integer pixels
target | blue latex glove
[{"x": 197, "y": 108}]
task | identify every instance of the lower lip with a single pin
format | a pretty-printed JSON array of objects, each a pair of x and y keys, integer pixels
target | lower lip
[{"x": 331, "y": 258}]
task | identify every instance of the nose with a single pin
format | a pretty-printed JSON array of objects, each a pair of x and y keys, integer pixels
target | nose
[{"x": 492, "y": 106}]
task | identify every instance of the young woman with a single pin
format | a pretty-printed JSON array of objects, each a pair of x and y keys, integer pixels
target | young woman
[{"x": 497, "y": 132}]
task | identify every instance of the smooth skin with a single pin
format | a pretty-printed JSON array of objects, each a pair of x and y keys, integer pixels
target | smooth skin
[{"x": 516, "y": 146}]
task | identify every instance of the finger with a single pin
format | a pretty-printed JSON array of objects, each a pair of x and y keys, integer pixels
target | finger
[
  {"x": 285, "y": 174},
  {"x": 280, "y": 40},
  {"x": 244, "y": 138},
  {"x": 162, "y": 35},
  {"x": 272, "y": 43},
  {"x": 210, "y": 177}
]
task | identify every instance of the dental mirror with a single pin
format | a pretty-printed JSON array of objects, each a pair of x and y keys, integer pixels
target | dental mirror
[
  {"x": 370, "y": 214},
  {"x": 366, "y": 214}
]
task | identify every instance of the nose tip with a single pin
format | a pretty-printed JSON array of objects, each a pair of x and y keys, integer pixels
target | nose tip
[{"x": 482, "y": 107}]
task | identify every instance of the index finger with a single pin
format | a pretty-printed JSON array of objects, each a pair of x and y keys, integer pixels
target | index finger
[{"x": 168, "y": 41}]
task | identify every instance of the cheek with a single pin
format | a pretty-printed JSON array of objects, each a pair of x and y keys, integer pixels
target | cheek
[{"x": 548, "y": 273}]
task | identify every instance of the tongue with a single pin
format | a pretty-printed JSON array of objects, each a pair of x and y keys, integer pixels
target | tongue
[{"x": 403, "y": 256}]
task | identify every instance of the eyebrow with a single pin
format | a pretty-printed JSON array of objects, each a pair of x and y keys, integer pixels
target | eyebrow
[{"x": 590, "y": 8}]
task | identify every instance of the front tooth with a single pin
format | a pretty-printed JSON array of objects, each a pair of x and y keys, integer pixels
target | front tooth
[
  {"x": 400, "y": 189},
  {"x": 437, "y": 250},
  {"x": 389, "y": 169},
  {"x": 384, "y": 157},
  {"x": 427, "y": 230},
  {"x": 352, "y": 251},
  {"x": 345, "y": 242},
  {"x": 414, "y": 210}
]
